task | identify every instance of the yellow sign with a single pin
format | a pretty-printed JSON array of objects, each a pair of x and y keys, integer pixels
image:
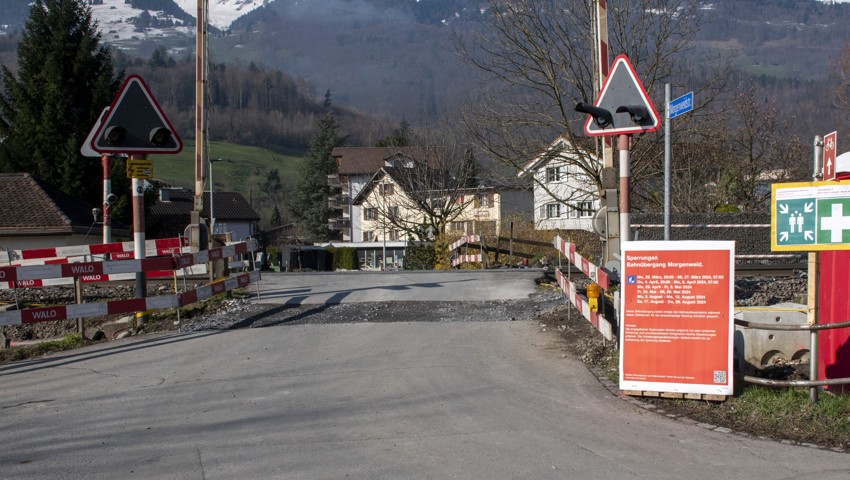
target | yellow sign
[
  {"x": 140, "y": 169},
  {"x": 139, "y": 163}
]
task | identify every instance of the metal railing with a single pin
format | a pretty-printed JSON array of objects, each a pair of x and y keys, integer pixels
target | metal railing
[{"x": 812, "y": 384}]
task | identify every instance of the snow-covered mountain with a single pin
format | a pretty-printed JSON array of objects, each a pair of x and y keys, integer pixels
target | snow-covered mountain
[
  {"x": 121, "y": 21},
  {"x": 222, "y": 12}
]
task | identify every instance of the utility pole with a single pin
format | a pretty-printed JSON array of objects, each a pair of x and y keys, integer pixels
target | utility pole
[
  {"x": 198, "y": 233},
  {"x": 609, "y": 201}
]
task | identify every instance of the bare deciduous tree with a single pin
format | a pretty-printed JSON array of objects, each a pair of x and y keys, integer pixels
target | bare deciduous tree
[
  {"x": 537, "y": 61},
  {"x": 421, "y": 191}
]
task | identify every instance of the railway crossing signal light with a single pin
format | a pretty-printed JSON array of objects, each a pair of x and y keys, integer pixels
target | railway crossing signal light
[
  {"x": 601, "y": 117},
  {"x": 115, "y": 135},
  {"x": 160, "y": 137},
  {"x": 135, "y": 124},
  {"x": 638, "y": 113},
  {"x": 623, "y": 106}
]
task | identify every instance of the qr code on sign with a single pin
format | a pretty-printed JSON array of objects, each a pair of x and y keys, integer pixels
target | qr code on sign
[{"x": 720, "y": 376}]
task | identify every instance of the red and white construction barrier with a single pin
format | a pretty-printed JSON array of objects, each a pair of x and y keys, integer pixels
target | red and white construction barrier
[
  {"x": 597, "y": 274},
  {"x": 458, "y": 259},
  {"x": 28, "y": 276},
  {"x": 464, "y": 240},
  {"x": 118, "y": 251},
  {"x": 87, "y": 310},
  {"x": 465, "y": 258},
  {"x": 578, "y": 300}
]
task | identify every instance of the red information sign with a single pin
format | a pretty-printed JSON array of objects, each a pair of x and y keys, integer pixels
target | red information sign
[
  {"x": 830, "y": 149},
  {"x": 677, "y": 317}
]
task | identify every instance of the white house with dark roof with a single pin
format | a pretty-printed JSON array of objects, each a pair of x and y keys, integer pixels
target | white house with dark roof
[{"x": 565, "y": 196}]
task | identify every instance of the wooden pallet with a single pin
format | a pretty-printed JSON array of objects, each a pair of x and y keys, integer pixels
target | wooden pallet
[{"x": 687, "y": 396}]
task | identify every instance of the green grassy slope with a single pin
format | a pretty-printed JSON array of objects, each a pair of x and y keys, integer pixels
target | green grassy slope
[{"x": 240, "y": 167}]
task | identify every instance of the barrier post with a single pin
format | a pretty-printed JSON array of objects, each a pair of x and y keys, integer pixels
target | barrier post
[
  {"x": 139, "y": 236},
  {"x": 511, "y": 246},
  {"x": 78, "y": 297}
]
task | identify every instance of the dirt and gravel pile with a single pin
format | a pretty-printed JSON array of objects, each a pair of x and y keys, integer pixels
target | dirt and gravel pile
[{"x": 242, "y": 312}]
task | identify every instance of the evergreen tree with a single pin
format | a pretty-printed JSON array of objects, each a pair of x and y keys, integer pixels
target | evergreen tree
[
  {"x": 277, "y": 219},
  {"x": 310, "y": 202},
  {"x": 399, "y": 138},
  {"x": 65, "y": 78}
]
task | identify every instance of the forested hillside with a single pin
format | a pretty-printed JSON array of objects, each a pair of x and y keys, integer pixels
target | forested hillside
[{"x": 249, "y": 104}]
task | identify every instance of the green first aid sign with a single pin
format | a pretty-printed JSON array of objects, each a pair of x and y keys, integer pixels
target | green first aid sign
[{"x": 810, "y": 216}]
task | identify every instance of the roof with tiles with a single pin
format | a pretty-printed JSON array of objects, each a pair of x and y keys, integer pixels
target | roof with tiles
[
  {"x": 367, "y": 160},
  {"x": 35, "y": 207},
  {"x": 229, "y": 206}
]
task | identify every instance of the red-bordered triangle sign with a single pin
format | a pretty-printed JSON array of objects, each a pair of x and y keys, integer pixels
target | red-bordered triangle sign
[
  {"x": 136, "y": 124},
  {"x": 623, "y": 89}
]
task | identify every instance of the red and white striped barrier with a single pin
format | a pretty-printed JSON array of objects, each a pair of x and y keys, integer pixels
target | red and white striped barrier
[
  {"x": 464, "y": 240},
  {"x": 87, "y": 310},
  {"x": 579, "y": 301},
  {"x": 458, "y": 259},
  {"x": 28, "y": 276},
  {"x": 597, "y": 274},
  {"x": 116, "y": 277},
  {"x": 465, "y": 258},
  {"x": 118, "y": 251}
]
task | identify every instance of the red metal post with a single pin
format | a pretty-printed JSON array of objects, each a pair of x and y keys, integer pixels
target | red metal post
[
  {"x": 107, "y": 190},
  {"x": 833, "y": 354}
]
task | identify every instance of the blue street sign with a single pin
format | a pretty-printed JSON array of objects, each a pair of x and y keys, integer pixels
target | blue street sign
[{"x": 681, "y": 105}]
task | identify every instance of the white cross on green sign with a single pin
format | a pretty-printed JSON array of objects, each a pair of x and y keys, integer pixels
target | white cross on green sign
[{"x": 810, "y": 216}]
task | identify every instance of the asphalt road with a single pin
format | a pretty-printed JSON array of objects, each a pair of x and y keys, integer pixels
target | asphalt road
[
  {"x": 353, "y": 287},
  {"x": 439, "y": 400}
]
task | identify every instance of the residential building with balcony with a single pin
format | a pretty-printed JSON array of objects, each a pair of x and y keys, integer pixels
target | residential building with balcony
[{"x": 355, "y": 168}]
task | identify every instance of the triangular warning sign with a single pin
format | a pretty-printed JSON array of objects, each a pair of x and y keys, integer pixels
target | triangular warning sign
[
  {"x": 622, "y": 92},
  {"x": 86, "y": 149},
  {"x": 136, "y": 124}
]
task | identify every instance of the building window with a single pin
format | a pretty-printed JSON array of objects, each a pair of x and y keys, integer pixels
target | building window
[
  {"x": 483, "y": 201},
  {"x": 368, "y": 236},
  {"x": 585, "y": 209},
  {"x": 553, "y": 174},
  {"x": 395, "y": 235},
  {"x": 553, "y": 210},
  {"x": 392, "y": 213},
  {"x": 458, "y": 226},
  {"x": 370, "y": 213},
  {"x": 574, "y": 211},
  {"x": 385, "y": 188}
]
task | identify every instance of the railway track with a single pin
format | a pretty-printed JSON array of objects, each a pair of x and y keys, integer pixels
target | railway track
[{"x": 791, "y": 269}]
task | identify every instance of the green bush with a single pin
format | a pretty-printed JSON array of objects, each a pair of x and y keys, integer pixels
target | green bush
[
  {"x": 274, "y": 255},
  {"x": 344, "y": 258},
  {"x": 420, "y": 257}
]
